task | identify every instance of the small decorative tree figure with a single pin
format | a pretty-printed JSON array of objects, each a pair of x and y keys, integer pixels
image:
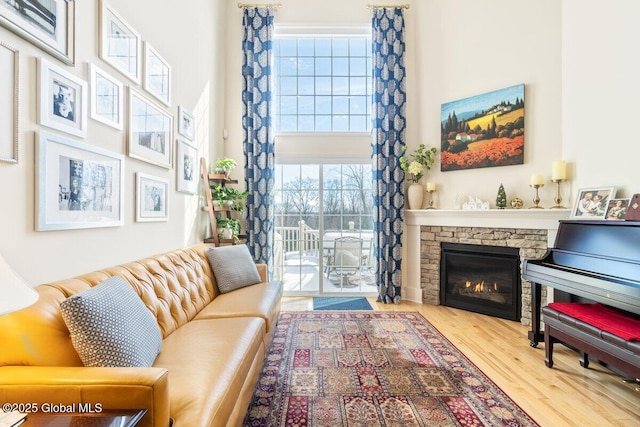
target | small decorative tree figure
[{"x": 501, "y": 199}]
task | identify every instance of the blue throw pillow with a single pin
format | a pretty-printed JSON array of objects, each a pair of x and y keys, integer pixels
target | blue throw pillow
[{"x": 110, "y": 326}]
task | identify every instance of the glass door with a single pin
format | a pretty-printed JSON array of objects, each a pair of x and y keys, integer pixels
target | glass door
[{"x": 324, "y": 229}]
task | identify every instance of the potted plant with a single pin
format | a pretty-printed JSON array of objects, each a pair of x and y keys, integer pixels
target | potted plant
[
  {"x": 415, "y": 165},
  {"x": 228, "y": 196},
  {"x": 228, "y": 228},
  {"x": 220, "y": 193},
  {"x": 225, "y": 166}
]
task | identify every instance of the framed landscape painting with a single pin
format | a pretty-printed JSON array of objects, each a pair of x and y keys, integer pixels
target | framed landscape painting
[
  {"x": 483, "y": 131},
  {"x": 150, "y": 131},
  {"x": 77, "y": 185},
  {"x": 50, "y": 24}
]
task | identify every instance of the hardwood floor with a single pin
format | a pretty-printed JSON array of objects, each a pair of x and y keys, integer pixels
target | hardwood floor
[{"x": 567, "y": 395}]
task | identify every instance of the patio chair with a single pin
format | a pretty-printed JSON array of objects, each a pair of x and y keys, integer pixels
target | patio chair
[{"x": 346, "y": 257}]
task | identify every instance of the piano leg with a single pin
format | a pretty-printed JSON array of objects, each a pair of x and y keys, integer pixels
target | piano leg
[{"x": 535, "y": 336}]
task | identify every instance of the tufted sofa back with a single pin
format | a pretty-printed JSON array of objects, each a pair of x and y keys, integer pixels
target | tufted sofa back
[{"x": 174, "y": 286}]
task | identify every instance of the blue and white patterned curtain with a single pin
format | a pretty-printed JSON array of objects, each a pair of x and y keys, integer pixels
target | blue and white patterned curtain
[
  {"x": 258, "y": 140},
  {"x": 389, "y": 125}
]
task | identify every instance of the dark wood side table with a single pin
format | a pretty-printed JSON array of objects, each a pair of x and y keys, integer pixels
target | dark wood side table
[{"x": 120, "y": 418}]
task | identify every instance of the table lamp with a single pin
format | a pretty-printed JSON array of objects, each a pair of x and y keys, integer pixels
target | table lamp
[{"x": 15, "y": 293}]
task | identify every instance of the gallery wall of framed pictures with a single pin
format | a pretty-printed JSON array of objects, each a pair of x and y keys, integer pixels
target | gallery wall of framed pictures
[{"x": 79, "y": 184}]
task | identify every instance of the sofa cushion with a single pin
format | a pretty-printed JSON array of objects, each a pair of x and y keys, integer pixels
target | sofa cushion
[
  {"x": 110, "y": 326},
  {"x": 233, "y": 267},
  {"x": 209, "y": 361}
]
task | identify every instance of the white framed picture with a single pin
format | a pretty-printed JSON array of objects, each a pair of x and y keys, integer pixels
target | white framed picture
[
  {"x": 120, "y": 44},
  {"x": 186, "y": 167},
  {"x": 9, "y": 93},
  {"x": 62, "y": 99},
  {"x": 157, "y": 75},
  {"x": 186, "y": 123},
  {"x": 591, "y": 203},
  {"x": 152, "y": 194},
  {"x": 150, "y": 131},
  {"x": 107, "y": 98},
  {"x": 50, "y": 24},
  {"x": 77, "y": 185}
]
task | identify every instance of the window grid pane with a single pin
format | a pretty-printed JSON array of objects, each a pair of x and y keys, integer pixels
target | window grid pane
[{"x": 323, "y": 84}]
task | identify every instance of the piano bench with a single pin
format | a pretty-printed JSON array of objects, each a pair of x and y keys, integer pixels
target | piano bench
[{"x": 613, "y": 350}]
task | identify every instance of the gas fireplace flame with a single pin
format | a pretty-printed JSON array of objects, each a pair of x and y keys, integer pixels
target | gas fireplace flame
[{"x": 480, "y": 287}]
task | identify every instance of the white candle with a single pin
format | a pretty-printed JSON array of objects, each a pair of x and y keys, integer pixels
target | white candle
[
  {"x": 558, "y": 170},
  {"x": 431, "y": 186},
  {"x": 537, "y": 180}
]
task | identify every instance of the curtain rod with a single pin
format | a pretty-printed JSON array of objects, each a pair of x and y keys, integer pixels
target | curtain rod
[
  {"x": 273, "y": 5},
  {"x": 388, "y": 6}
]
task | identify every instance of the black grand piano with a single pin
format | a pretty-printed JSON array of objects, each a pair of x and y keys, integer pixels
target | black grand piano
[{"x": 592, "y": 261}]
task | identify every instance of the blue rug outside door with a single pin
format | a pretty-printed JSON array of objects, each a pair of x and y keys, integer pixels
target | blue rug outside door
[{"x": 334, "y": 303}]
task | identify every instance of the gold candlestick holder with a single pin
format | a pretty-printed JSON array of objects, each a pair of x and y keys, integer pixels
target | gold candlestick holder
[
  {"x": 536, "y": 199},
  {"x": 558, "y": 199},
  {"x": 431, "y": 199}
]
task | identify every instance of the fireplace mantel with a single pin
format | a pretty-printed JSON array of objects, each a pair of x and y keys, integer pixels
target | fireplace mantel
[
  {"x": 490, "y": 218},
  {"x": 504, "y": 218}
]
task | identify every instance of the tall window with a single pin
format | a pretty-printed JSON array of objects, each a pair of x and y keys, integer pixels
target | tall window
[
  {"x": 323, "y": 83},
  {"x": 323, "y": 190}
]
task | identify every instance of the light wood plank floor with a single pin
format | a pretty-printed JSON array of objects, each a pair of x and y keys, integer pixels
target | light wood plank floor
[{"x": 567, "y": 395}]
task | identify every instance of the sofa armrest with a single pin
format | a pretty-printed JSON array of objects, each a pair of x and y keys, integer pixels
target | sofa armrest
[
  {"x": 262, "y": 270},
  {"x": 112, "y": 388}
]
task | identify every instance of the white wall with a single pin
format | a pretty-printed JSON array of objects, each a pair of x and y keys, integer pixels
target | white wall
[
  {"x": 601, "y": 89},
  {"x": 465, "y": 48},
  {"x": 191, "y": 39}
]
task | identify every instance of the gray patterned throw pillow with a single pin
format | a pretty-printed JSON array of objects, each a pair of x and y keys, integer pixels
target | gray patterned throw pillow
[
  {"x": 111, "y": 326},
  {"x": 233, "y": 267}
]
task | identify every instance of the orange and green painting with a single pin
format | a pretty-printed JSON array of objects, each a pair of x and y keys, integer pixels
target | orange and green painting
[{"x": 483, "y": 131}]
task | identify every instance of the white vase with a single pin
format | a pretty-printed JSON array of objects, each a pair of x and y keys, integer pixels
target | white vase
[{"x": 415, "y": 196}]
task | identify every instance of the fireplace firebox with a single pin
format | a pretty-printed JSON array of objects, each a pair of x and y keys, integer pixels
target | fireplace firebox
[{"x": 483, "y": 279}]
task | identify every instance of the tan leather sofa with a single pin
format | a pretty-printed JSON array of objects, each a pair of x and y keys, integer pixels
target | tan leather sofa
[{"x": 212, "y": 351}]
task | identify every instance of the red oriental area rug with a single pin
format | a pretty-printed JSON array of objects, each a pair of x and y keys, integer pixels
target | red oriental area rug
[{"x": 373, "y": 368}]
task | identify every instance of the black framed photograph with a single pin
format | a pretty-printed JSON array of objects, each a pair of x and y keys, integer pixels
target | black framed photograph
[
  {"x": 150, "y": 131},
  {"x": 186, "y": 123},
  {"x": 152, "y": 194},
  {"x": 120, "y": 44},
  {"x": 186, "y": 167},
  {"x": 591, "y": 203},
  {"x": 107, "y": 98},
  {"x": 77, "y": 185},
  {"x": 62, "y": 99},
  {"x": 50, "y": 24},
  {"x": 157, "y": 75},
  {"x": 617, "y": 209},
  {"x": 9, "y": 93}
]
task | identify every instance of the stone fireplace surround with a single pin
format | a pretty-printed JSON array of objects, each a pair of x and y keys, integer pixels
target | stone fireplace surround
[{"x": 530, "y": 230}]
